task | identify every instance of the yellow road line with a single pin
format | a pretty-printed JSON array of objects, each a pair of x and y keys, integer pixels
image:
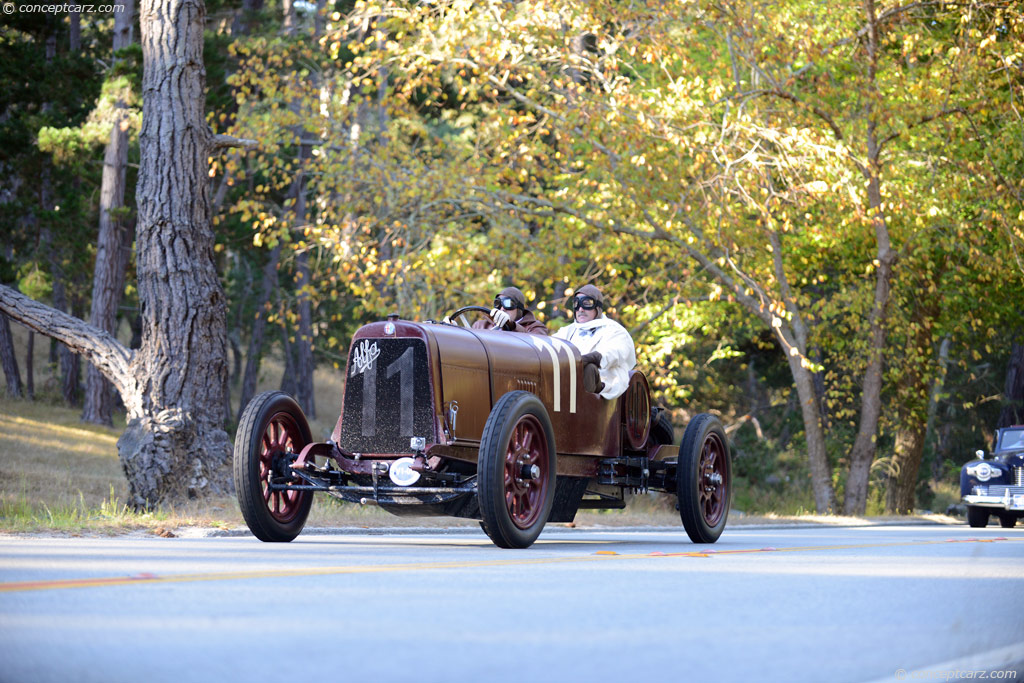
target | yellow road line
[{"x": 26, "y": 586}]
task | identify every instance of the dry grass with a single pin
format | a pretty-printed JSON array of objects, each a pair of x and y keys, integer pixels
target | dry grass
[{"x": 46, "y": 453}]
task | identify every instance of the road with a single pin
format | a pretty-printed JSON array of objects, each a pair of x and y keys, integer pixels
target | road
[{"x": 883, "y": 603}]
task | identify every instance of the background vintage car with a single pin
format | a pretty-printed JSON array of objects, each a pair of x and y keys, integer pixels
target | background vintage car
[
  {"x": 996, "y": 485},
  {"x": 441, "y": 419}
]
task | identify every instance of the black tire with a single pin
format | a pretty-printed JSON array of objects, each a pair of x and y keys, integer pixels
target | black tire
[
  {"x": 513, "y": 507},
  {"x": 977, "y": 517},
  {"x": 704, "y": 479},
  {"x": 1007, "y": 520},
  {"x": 271, "y": 426},
  {"x": 662, "y": 432}
]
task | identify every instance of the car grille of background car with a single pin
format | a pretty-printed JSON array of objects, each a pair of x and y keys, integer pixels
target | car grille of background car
[{"x": 999, "y": 490}]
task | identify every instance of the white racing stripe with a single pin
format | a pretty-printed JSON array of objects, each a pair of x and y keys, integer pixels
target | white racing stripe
[
  {"x": 572, "y": 370},
  {"x": 547, "y": 345}
]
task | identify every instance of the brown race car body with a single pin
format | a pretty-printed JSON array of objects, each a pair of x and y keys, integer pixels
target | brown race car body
[{"x": 440, "y": 419}]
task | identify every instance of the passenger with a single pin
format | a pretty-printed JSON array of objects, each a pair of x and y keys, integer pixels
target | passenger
[
  {"x": 606, "y": 347},
  {"x": 510, "y": 314}
]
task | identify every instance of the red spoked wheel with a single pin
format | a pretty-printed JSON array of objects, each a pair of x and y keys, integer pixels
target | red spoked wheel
[
  {"x": 704, "y": 479},
  {"x": 272, "y": 432},
  {"x": 280, "y": 437},
  {"x": 516, "y": 470},
  {"x": 524, "y": 492},
  {"x": 713, "y": 479}
]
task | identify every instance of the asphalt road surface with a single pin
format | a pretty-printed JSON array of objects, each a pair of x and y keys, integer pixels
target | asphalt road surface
[{"x": 781, "y": 604}]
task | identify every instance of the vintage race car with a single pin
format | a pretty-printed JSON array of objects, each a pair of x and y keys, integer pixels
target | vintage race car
[
  {"x": 996, "y": 486},
  {"x": 443, "y": 419}
]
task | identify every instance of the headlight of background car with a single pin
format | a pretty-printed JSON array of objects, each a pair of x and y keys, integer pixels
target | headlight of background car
[{"x": 983, "y": 471}]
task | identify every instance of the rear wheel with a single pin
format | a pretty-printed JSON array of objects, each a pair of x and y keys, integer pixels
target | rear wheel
[
  {"x": 662, "y": 431},
  {"x": 516, "y": 470},
  {"x": 977, "y": 517},
  {"x": 272, "y": 431},
  {"x": 1007, "y": 520},
  {"x": 704, "y": 479}
]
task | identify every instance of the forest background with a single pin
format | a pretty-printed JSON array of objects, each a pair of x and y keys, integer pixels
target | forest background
[{"x": 809, "y": 215}]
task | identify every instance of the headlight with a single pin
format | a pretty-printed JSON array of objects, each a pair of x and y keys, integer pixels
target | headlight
[{"x": 983, "y": 471}]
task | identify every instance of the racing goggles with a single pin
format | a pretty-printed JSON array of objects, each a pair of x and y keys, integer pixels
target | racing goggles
[
  {"x": 506, "y": 302},
  {"x": 587, "y": 303}
]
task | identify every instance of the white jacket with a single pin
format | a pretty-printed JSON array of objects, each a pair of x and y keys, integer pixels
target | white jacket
[{"x": 612, "y": 341}]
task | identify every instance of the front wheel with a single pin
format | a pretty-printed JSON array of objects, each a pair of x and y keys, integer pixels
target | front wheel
[
  {"x": 977, "y": 517},
  {"x": 704, "y": 479},
  {"x": 516, "y": 470},
  {"x": 1007, "y": 520},
  {"x": 272, "y": 432}
]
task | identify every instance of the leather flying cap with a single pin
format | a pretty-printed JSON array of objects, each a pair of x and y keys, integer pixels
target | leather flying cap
[
  {"x": 591, "y": 291},
  {"x": 515, "y": 295}
]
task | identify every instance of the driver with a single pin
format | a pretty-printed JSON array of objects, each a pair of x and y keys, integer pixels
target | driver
[
  {"x": 510, "y": 314},
  {"x": 606, "y": 347}
]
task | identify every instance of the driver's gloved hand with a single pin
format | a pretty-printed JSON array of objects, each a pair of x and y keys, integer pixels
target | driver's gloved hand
[
  {"x": 592, "y": 357},
  {"x": 447, "y": 321},
  {"x": 501, "y": 319}
]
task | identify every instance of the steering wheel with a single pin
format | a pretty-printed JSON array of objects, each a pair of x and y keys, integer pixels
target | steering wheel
[{"x": 454, "y": 315}]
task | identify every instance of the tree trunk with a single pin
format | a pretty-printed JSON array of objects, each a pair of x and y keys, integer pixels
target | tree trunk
[
  {"x": 1013, "y": 395},
  {"x": 290, "y": 16},
  {"x": 30, "y": 373},
  {"x": 114, "y": 241},
  {"x": 135, "y": 323},
  {"x": 68, "y": 364},
  {"x": 71, "y": 386},
  {"x": 913, "y": 427},
  {"x": 175, "y": 445},
  {"x": 915, "y": 398},
  {"x": 900, "y": 498},
  {"x": 259, "y": 325},
  {"x": 304, "y": 339},
  {"x": 288, "y": 383},
  {"x": 236, "y": 360},
  {"x": 865, "y": 445},
  {"x": 75, "y": 29},
  {"x": 244, "y": 18},
  {"x": 320, "y": 20},
  {"x": 821, "y": 473},
  {"x": 9, "y": 359},
  {"x": 303, "y": 346}
]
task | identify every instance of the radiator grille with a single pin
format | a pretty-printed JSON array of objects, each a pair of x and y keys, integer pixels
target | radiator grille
[
  {"x": 387, "y": 396},
  {"x": 1000, "y": 490}
]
